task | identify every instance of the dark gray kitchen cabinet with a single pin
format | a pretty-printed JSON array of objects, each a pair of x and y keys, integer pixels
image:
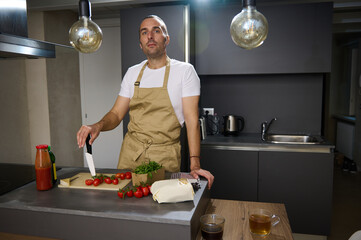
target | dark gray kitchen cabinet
[
  {"x": 299, "y": 40},
  {"x": 303, "y": 182},
  {"x": 235, "y": 173}
]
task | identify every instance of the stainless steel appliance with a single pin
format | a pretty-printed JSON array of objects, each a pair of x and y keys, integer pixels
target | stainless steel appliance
[
  {"x": 14, "y": 41},
  {"x": 232, "y": 124},
  {"x": 202, "y": 123}
]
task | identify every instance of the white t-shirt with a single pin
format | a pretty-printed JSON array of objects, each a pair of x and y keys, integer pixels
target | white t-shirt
[{"x": 183, "y": 82}]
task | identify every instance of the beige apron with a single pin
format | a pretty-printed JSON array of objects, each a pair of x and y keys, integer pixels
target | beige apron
[{"x": 153, "y": 130}]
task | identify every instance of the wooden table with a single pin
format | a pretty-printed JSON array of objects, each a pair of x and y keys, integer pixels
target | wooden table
[{"x": 236, "y": 214}]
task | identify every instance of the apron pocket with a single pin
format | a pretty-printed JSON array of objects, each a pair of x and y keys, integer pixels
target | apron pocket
[
  {"x": 130, "y": 153},
  {"x": 168, "y": 156}
]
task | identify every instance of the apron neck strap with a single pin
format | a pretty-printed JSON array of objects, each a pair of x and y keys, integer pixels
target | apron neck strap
[{"x": 166, "y": 74}]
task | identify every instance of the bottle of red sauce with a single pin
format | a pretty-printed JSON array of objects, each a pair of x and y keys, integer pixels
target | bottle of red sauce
[{"x": 43, "y": 168}]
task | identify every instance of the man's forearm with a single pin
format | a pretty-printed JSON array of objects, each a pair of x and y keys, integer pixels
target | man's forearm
[
  {"x": 112, "y": 119},
  {"x": 109, "y": 122},
  {"x": 194, "y": 142}
]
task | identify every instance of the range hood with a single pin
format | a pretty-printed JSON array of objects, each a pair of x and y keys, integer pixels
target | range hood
[{"x": 14, "y": 41}]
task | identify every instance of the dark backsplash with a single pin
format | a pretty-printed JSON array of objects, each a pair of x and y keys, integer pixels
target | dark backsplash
[{"x": 294, "y": 99}]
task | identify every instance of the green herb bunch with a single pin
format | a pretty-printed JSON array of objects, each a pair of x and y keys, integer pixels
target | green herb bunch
[{"x": 148, "y": 168}]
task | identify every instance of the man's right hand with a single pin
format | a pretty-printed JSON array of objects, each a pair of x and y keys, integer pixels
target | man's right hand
[
  {"x": 110, "y": 121},
  {"x": 84, "y": 131}
]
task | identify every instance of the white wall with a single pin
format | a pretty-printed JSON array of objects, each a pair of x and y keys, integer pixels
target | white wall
[
  {"x": 14, "y": 118},
  {"x": 100, "y": 77}
]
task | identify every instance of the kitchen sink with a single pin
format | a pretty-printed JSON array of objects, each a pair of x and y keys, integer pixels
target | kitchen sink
[{"x": 292, "y": 139}]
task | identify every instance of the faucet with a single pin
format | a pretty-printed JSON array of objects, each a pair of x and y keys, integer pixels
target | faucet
[{"x": 264, "y": 128}]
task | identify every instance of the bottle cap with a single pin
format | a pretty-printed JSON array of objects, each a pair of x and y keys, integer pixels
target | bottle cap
[{"x": 42, "y": 146}]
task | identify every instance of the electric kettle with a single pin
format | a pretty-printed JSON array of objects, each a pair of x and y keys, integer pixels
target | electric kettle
[{"x": 232, "y": 124}]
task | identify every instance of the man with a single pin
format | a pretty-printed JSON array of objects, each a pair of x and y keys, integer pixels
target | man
[{"x": 160, "y": 94}]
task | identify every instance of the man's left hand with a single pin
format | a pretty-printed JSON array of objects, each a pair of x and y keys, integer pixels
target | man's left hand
[{"x": 204, "y": 173}]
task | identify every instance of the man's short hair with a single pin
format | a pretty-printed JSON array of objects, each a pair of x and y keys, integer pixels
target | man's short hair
[{"x": 162, "y": 23}]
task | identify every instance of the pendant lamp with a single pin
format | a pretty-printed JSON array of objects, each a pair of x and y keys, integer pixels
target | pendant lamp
[
  {"x": 249, "y": 28},
  {"x": 85, "y": 35}
]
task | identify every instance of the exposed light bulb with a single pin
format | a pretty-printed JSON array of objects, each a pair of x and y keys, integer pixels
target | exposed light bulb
[
  {"x": 249, "y": 28},
  {"x": 85, "y": 35}
]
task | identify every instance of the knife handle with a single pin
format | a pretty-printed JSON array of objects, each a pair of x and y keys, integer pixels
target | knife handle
[{"x": 88, "y": 146}]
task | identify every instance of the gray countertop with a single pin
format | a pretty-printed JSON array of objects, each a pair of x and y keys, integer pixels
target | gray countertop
[
  {"x": 98, "y": 203},
  {"x": 253, "y": 142},
  {"x": 65, "y": 213}
]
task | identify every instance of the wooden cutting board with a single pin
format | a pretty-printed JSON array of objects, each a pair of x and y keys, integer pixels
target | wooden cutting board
[{"x": 80, "y": 183}]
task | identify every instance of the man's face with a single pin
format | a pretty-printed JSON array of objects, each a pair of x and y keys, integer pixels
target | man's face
[{"x": 153, "y": 40}]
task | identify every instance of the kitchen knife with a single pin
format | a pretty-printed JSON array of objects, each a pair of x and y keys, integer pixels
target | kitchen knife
[
  {"x": 89, "y": 157},
  {"x": 67, "y": 181}
]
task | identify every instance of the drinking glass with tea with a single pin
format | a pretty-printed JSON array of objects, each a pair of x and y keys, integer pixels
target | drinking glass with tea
[
  {"x": 261, "y": 222},
  {"x": 212, "y": 226}
]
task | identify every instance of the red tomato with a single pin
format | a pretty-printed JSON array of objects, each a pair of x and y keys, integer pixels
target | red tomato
[
  {"x": 96, "y": 182},
  {"x": 121, "y": 195},
  {"x": 108, "y": 180},
  {"x": 130, "y": 193},
  {"x": 122, "y": 176},
  {"x": 139, "y": 188},
  {"x": 115, "y": 181},
  {"x": 117, "y": 175},
  {"x": 145, "y": 191},
  {"x": 138, "y": 194},
  {"x": 149, "y": 188},
  {"x": 128, "y": 175},
  {"x": 89, "y": 182}
]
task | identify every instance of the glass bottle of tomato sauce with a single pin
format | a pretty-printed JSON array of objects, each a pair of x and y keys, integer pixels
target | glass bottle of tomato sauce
[{"x": 43, "y": 168}]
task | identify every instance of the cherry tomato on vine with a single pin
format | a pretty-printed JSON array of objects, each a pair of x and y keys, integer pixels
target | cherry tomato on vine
[
  {"x": 115, "y": 181},
  {"x": 128, "y": 175},
  {"x": 122, "y": 176},
  {"x": 108, "y": 180},
  {"x": 96, "y": 182},
  {"x": 101, "y": 179},
  {"x": 89, "y": 182},
  {"x": 130, "y": 193},
  {"x": 145, "y": 191},
  {"x": 121, "y": 194},
  {"x": 138, "y": 194}
]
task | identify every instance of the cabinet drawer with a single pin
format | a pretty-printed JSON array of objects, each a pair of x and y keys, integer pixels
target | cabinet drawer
[{"x": 235, "y": 173}]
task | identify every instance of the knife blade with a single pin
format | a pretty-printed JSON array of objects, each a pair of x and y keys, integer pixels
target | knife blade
[{"x": 89, "y": 157}]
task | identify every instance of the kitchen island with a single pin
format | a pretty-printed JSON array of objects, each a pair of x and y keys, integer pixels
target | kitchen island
[
  {"x": 95, "y": 214},
  {"x": 236, "y": 224}
]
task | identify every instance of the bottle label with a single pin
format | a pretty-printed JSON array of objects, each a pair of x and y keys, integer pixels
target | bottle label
[
  {"x": 43, "y": 178},
  {"x": 54, "y": 172}
]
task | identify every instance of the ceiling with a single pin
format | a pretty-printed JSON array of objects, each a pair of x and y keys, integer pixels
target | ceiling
[
  {"x": 346, "y": 17},
  {"x": 115, "y": 5}
]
